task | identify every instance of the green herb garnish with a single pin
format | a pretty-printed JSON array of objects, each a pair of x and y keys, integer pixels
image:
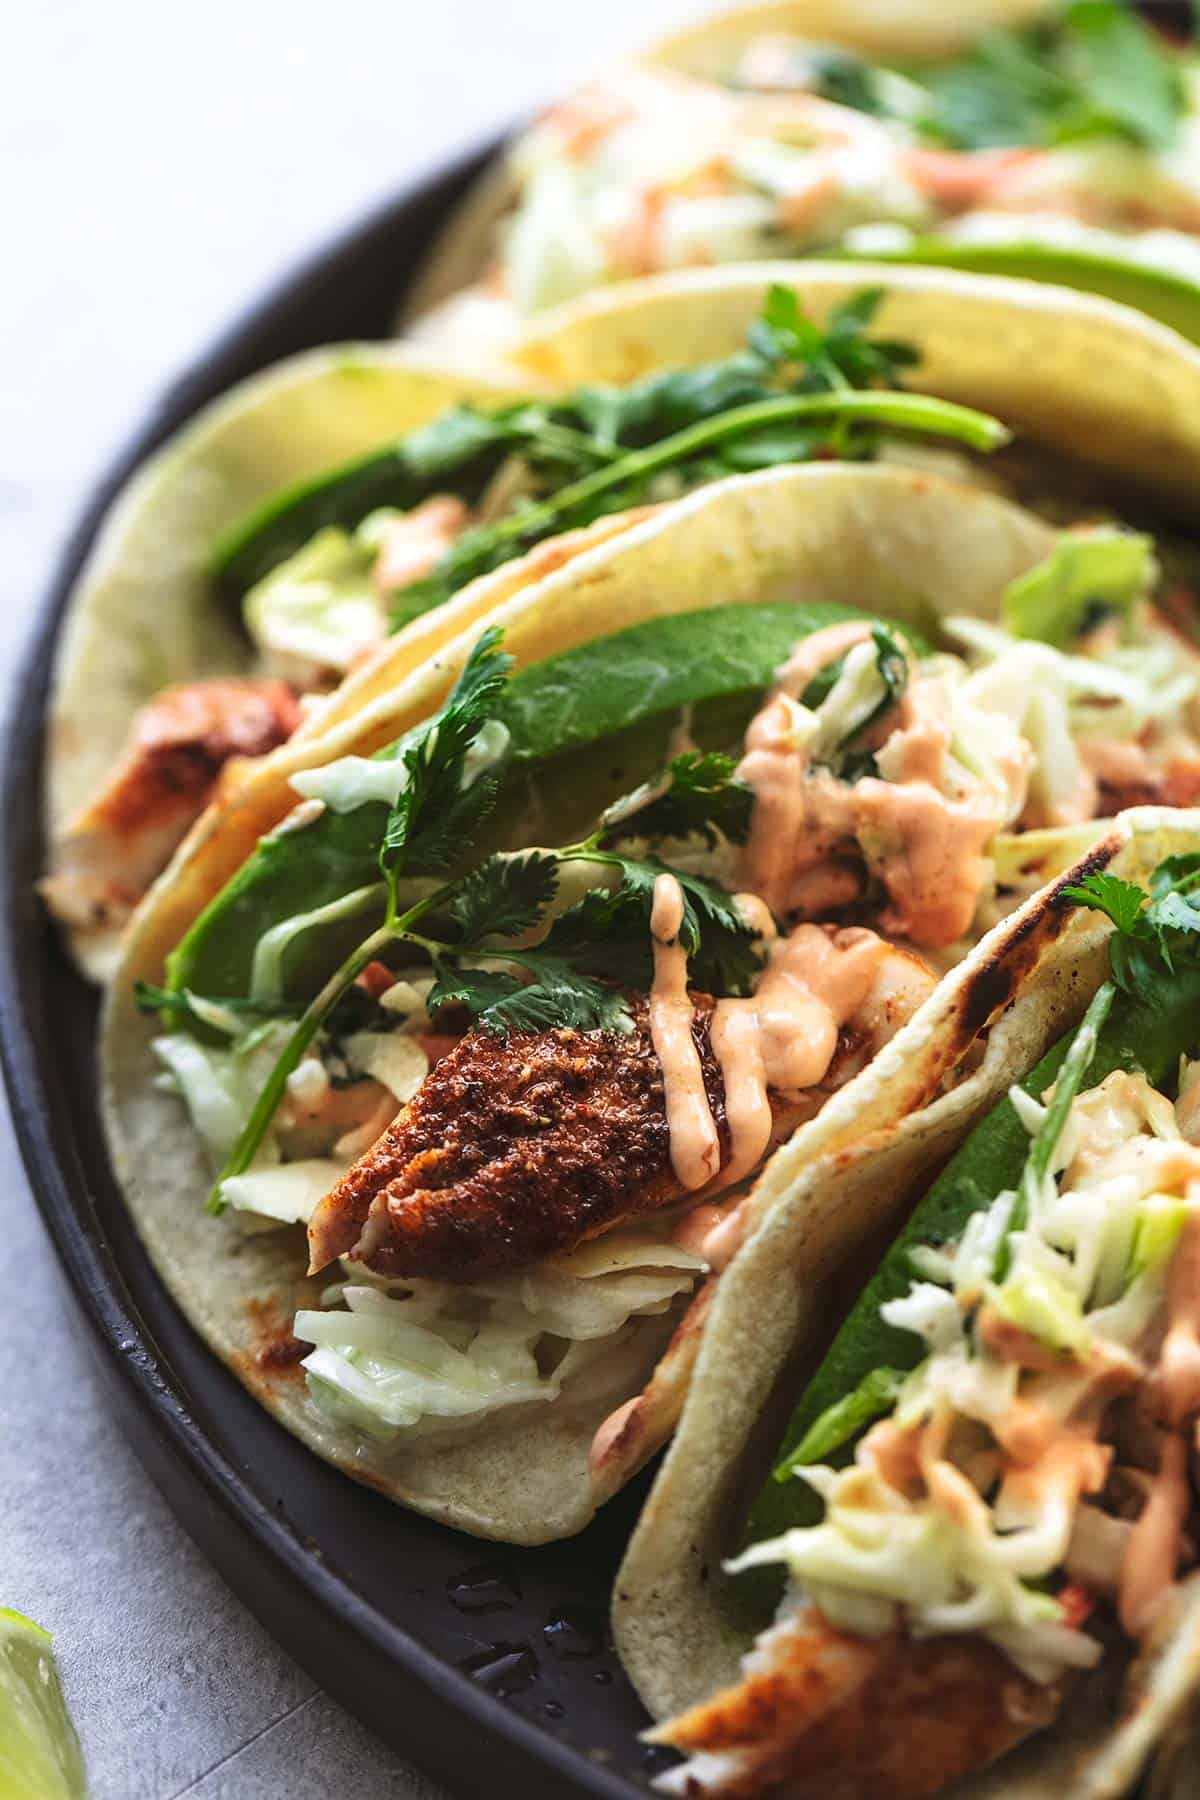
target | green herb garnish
[
  {"x": 1153, "y": 932},
  {"x": 576, "y": 974},
  {"x": 1097, "y": 70},
  {"x": 793, "y": 391}
]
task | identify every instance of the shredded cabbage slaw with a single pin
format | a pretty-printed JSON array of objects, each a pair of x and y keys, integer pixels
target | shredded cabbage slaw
[{"x": 977, "y": 1539}]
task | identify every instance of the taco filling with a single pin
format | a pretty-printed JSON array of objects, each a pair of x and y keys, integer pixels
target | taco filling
[
  {"x": 323, "y": 573},
  {"x": 471, "y": 1075},
  {"x": 901, "y": 780},
  {"x": 599, "y": 1046},
  {"x": 1076, "y": 133},
  {"x": 1009, "y": 1499}
]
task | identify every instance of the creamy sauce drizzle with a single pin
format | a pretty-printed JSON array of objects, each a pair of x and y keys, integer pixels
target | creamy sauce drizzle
[
  {"x": 695, "y": 1144},
  {"x": 785, "y": 1034},
  {"x": 804, "y": 849}
]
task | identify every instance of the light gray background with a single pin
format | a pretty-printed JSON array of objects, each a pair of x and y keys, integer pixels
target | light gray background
[{"x": 158, "y": 164}]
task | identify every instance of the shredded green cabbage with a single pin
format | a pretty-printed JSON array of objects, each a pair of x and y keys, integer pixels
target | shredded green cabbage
[
  {"x": 318, "y": 610},
  {"x": 1086, "y": 575},
  {"x": 394, "y": 1361},
  {"x": 1086, "y": 1258}
]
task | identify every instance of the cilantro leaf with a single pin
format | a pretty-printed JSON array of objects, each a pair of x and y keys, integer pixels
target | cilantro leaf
[
  {"x": 1121, "y": 901},
  {"x": 1131, "y": 81},
  {"x": 701, "y": 797},
  {"x": 1003, "y": 93},
  {"x": 847, "y": 80},
  {"x": 559, "y": 995},
  {"x": 454, "y": 440},
  {"x": 504, "y": 896},
  {"x": 556, "y": 995},
  {"x": 608, "y": 932},
  {"x": 474, "y": 989},
  {"x": 1152, "y": 932},
  {"x": 440, "y": 807},
  {"x": 1096, "y": 71}
]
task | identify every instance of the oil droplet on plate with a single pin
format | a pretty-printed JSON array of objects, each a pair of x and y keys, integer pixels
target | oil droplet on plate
[
  {"x": 575, "y": 1631},
  {"x": 503, "y": 1669},
  {"x": 487, "y": 1587}
]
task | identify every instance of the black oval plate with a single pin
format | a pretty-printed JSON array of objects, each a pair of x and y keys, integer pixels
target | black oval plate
[{"x": 490, "y": 1668}]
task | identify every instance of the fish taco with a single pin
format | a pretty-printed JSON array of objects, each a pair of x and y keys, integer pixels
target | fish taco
[
  {"x": 530, "y": 987},
  {"x": 957, "y": 1552},
  {"x": 1053, "y": 141}
]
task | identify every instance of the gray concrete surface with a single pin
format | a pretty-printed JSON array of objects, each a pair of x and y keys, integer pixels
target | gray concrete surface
[{"x": 157, "y": 166}]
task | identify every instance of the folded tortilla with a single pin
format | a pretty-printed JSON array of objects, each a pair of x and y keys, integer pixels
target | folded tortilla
[
  {"x": 144, "y": 614},
  {"x": 1081, "y": 376},
  {"x": 682, "y": 1624}
]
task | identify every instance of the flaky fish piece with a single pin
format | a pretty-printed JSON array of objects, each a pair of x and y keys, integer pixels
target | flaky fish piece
[
  {"x": 822, "y": 1715},
  {"x": 518, "y": 1148},
  {"x": 178, "y": 747}
]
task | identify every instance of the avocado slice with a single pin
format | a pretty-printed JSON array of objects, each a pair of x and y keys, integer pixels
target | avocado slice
[
  {"x": 1171, "y": 299},
  {"x": 586, "y": 727},
  {"x": 396, "y": 475}
]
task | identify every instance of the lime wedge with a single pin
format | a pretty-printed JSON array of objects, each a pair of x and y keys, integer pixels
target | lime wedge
[{"x": 39, "y": 1751}]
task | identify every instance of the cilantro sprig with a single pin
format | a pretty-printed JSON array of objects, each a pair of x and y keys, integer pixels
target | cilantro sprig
[
  {"x": 1153, "y": 931},
  {"x": 794, "y": 391},
  {"x": 498, "y": 951},
  {"x": 440, "y": 807},
  {"x": 1096, "y": 70}
]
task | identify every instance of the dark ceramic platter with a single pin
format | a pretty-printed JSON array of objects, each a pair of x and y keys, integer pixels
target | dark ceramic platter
[{"x": 490, "y": 1668}]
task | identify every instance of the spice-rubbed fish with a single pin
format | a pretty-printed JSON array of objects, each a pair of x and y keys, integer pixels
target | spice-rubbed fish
[
  {"x": 515, "y": 1148},
  {"x": 177, "y": 749},
  {"x": 830, "y": 1715}
]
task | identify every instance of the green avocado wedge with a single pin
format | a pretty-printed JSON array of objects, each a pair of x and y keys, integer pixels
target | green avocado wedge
[
  {"x": 586, "y": 727},
  {"x": 459, "y": 453},
  {"x": 1171, "y": 299},
  {"x": 1149, "y": 1033}
]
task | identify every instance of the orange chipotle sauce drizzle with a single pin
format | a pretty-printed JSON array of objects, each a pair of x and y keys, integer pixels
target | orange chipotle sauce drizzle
[
  {"x": 695, "y": 1145},
  {"x": 929, "y": 849}
]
